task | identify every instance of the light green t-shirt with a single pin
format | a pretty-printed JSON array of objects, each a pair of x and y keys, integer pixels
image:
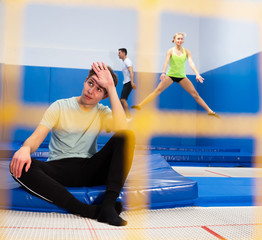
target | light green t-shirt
[
  {"x": 177, "y": 65},
  {"x": 74, "y": 131}
]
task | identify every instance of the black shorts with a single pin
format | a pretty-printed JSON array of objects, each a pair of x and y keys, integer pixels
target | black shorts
[
  {"x": 127, "y": 88},
  {"x": 176, "y": 79}
]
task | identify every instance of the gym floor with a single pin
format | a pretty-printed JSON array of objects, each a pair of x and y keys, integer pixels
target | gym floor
[{"x": 228, "y": 216}]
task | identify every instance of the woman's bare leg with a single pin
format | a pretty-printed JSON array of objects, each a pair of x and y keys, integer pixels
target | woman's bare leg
[
  {"x": 164, "y": 84},
  {"x": 189, "y": 87}
]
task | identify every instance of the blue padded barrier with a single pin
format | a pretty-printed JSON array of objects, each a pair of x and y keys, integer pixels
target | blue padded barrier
[
  {"x": 174, "y": 155},
  {"x": 204, "y": 156},
  {"x": 216, "y": 152},
  {"x": 242, "y": 159},
  {"x": 165, "y": 188}
]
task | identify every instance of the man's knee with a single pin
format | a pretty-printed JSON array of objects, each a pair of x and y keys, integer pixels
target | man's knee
[
  {"x": 123, "y": 100},
  {"x": 32, "y": 172},
  {"x": 127, "y": 138},
  {"x": 126, "y": 133}
]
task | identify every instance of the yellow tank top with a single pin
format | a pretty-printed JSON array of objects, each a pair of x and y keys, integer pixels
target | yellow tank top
[{"x": 177, "y": 65}]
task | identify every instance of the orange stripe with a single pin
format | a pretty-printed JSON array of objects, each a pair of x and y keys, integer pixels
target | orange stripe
[{"x": 213, "y": 233}]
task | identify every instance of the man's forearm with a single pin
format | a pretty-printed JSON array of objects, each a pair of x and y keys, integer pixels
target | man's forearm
[
  {"x": 31, "y": 143},
  {"x": 37, "y": 137},
  {"x": 119, "y": 116}
]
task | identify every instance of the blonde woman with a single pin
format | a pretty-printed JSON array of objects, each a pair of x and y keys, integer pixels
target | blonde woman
[{"x": 176, "y": 58}]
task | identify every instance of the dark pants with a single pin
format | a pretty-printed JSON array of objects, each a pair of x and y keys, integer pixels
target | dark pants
[
  {"x": 110, "y": 166},
  {"x": 127, "y": 88}
]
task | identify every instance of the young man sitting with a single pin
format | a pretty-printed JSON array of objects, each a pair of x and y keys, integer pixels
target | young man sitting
[{"x": 73, "y": 161}]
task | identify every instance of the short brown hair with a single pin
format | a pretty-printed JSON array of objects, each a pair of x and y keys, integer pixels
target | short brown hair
[
  {"x": 123, "y": 50},
  {"x": 114, "y": 76}
]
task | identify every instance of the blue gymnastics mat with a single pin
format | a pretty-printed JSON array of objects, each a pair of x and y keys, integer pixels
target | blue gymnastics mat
[
  {"x": 165, "y": 188},
  {"x": 225, "y": 192}
]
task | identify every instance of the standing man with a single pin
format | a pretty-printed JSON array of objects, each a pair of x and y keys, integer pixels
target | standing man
[
  {"x": 75, "y": 124},
  {"x": 128, "y": 79}
]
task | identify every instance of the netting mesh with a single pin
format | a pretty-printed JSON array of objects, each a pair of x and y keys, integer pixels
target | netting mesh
[{"x": 161, "y": 122}]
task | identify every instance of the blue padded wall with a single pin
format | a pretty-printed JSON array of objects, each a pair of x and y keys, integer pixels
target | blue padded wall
[
  {"x": 36, "y": 85},
  {"x": 66, "y": 83},
  {"x": 232, "y": 88},
  {"x": 176, "y": 98}
]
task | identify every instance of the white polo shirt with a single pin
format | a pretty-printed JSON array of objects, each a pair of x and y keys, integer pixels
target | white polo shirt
[{"x": 126, "y": 73}]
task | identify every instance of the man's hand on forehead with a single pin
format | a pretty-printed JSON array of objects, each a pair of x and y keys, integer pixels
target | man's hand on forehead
[{"x": 104, "y": 77}]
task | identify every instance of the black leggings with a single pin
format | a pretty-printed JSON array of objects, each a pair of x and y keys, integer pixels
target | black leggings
[{"x": 110, "y": 166}]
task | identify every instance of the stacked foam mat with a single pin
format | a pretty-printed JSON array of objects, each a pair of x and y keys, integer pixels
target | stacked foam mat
[{"x": 157, "y": 187}]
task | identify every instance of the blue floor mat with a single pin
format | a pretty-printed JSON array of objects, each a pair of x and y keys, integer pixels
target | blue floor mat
[{"x": 220, "y": 191}]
